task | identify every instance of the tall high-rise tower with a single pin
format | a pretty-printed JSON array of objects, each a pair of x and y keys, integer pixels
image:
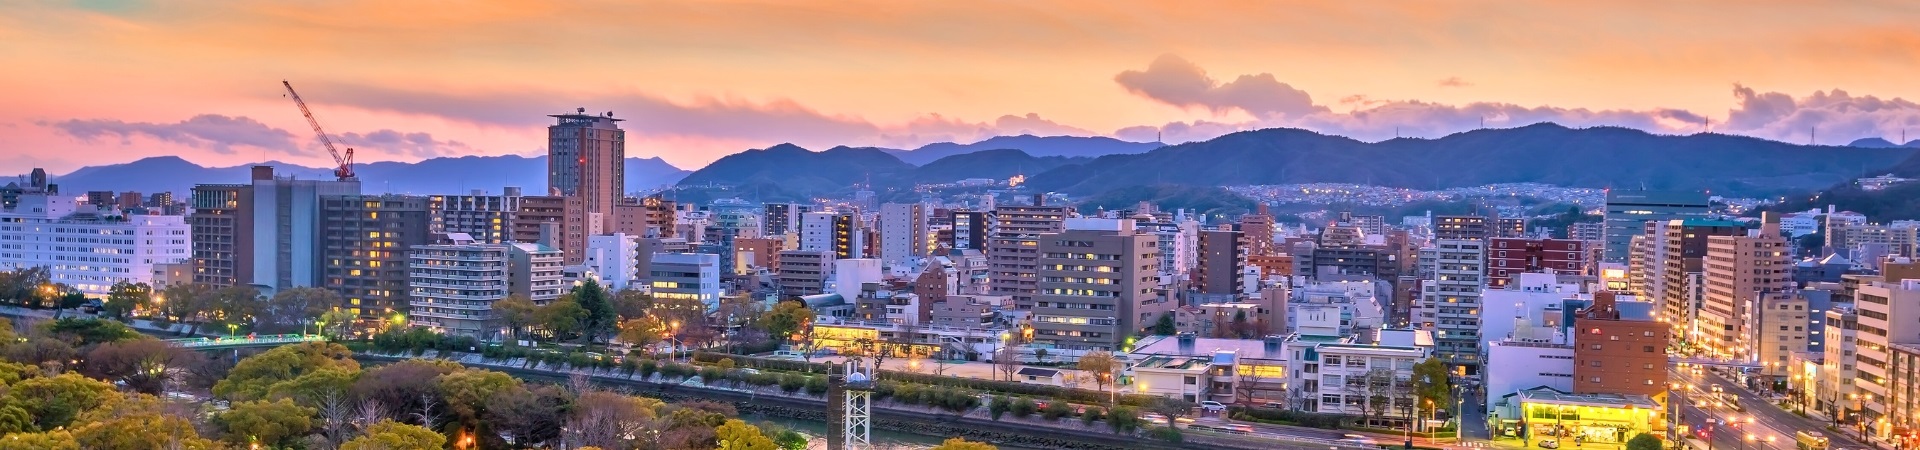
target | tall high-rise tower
[{"x": 586, "y": 158}]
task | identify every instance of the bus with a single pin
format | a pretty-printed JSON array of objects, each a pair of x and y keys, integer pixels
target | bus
[{"x": 1809, "y": 441}]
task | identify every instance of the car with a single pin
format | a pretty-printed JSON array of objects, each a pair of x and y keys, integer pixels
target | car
[
  {"x": 750, "y": 371},
  {"x": 1357, "y": 440},
  {"x": 1240, "y": 428},
  {"x": 1155, "y": 419},
  {"x": 1274, "y": 405},
  {"x": 1213, "y": 406},
  {"x": 1549, "y": 443}
]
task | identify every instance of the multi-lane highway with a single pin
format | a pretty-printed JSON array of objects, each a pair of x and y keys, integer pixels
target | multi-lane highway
[{"x": 1769, "y": 426}]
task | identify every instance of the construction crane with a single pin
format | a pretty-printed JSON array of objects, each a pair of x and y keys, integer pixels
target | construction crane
[{"x": 345, "y": 170}]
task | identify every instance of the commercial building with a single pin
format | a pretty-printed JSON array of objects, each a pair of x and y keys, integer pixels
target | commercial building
[
  {"x": 1888, "y": 313},
  {"x": 1627, "y": 211},
  {"x": 1252, "y": 371},
  {"x": 1594, "y": 418},
  {"x": 1619, "y": 349},
  {"x": 838, "y": 232},
  {"x": 87, "y": 247},
  {"x": 1013, "y": 250},
  {"x": 366, "y": 238},
  {"x": 1094, "y": 282},
  {"x": 782, "y": 218},
  {"x": 752, "y": 253},
  {"x": 1739, "y": 270},
  {"x": 650, "y": 216},
  {"x": 1223, "y": 258},
  {"x": 1509, "y": 256},
  {"x": 1834, "y": 386},
  {"x": 1681, "y": 288},
  {"x": 586, "y": 159}
]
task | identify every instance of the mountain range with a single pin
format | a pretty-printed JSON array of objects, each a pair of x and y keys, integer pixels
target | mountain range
[
  {"x": 1041, "y": 146},
  {"x": 1875, "y": 142},
  {"x": 431, "y": 176},
  {"x": 790, "y": 172},
  {"x": 1597, "y": 157}
]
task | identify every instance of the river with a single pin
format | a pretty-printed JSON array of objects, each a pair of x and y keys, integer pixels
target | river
[{"x": 882, "y": 440}]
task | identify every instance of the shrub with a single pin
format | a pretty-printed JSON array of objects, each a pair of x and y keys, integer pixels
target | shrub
[
  {"x": 725, "y": 364},
  {"x": 817, "y": 385},
  {"x": 1093, "y": 413},
  {"x": 1123, "y": 419},
  {"x": 1024, "y": 407},
  {"x": 792, "y": 382},
  {"x": 1055, "y": 410},
  {"x": 999, "y": 406},
  {"x": 648, "y": 367},
  {"x": 1292, "y": 417},
  {"x": 1167, "y": 433},
  {"x": 711, "y": 374}
]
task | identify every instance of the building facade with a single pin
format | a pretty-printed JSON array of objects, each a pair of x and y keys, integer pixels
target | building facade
[
  {"x": 1627, "y": 211},
  {"x": 364, "y": 253},
  {"x": 1093, "y": 282},
  {"x": 86, "y": 247}
]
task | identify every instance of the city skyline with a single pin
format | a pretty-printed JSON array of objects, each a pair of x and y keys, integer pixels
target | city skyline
[{"x": 700, "y": 81}]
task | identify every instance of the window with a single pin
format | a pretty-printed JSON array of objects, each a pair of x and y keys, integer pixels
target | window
[
  {"x": 1646, "y": 349},
  {"x": 1594, "y": 380},
  {"x": 1593, "y": 363},
  {"x": 1593, "y": 347}
]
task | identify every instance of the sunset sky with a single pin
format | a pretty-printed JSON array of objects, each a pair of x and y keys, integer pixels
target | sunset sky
[{"x": 103, "y": 81}]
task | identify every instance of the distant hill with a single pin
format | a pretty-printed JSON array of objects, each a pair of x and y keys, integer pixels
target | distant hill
[
  {"x": 1875, "y": 142},
  {"x": 432, "y": 176},
  {"x": 1212, "y": 200},
  {"x": 996, "y": 164},
  {"x": 1544, "y": 153},
  {"x": 1039, "y": 146},
  {"x": 789, "y": 172}
]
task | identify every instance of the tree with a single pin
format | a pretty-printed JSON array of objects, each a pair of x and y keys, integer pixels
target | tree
[
  {"x": 631, "y": 303},
  {"x": 1023, "y": 407},
  {"x": 1040, "y": 354},
  {"x": 408, "y": 387},
  {"x": 252, "y": 377},
  {"x": 1164, "y": 326},
  {"x": 55, "y": 401},
  {"x": 736, "y": 434},
  {"x": 517, "y": 312},
  {"x": 82, "y": 332},
  {"x": 999, "y": 406},
  {"x": 235, "y": 305},
  {"x": 1124, "y": 419},
  {"x": 564, "y": 319},
  {"x": 139, "y": 421},
  {"x": 1240, "y": 329},
  {"x": 642, "y": 332},
  {"x": 278, "y": 423},
  {"x": 600, "y": 318},
  {"x": 1100, "y": 365},
  {"x": 467, "y": 391},
  {"x": 604, "y": 419},
  {"x": 334, "y": 319},
  {"x": 790, "y": 440},
  {"x": 51, "y": 440},
  {"x": 529, "y": 416},
  {"x": 186, "y": 303},
  {"x": 1007, "y": 361},
  {"x": 785, "y": 320},
  {"x": 1377, "y": 390},
  {"x": 1431, "y": 386},
  {"x": 314, "y": 388},
  {"x": 390, "y": 435},
  {"x": 955, "y": 443},
  {"x": 66, "y": 298},
  {"x": 125, "y": 297},
  {"x": 1173, "y": 408},
  {"x": 145, "y": 365},
  {"x": 291, "y": 309},
  {"x": 1644, "y": 441}
]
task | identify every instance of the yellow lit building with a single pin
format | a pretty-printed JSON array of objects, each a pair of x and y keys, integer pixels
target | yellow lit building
[{"x": 1548, "y": 413}]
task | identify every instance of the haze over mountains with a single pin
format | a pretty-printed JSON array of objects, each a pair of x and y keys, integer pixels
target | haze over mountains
[{"x": 1087, "y": 166}]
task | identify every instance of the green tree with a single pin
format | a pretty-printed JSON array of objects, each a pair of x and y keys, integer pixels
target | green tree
[
  {"x": 55, "y": 401},
  {"x": 292, "y": 309},
  {"x": 999, "y": 406},
  {"x": 14, "y": 419},
  {"x": 736, "y": 434},
  {"x": 1100, "y": 365},
  {"x": 125, "y": 297},
  {"x": 642, "y": 332},
  {"x": 1024, "y": 407},
  {"x": 235, "y": 305},
  {"x": 564, "y": 318},
  {"x": 600, "y": 318},
  {"x": 253, "y": 377},
  {"x": 313, "y": 388},
  {"x": 390, "y": 435},
  {"x": 51, "y": 440},
  {"x": 955, "y": 443},
  {"x": 1055, "y": 410},
  {"x": 334, "y": 319},
  {"x": 85, "y": 332},
  {"x": 784, "y": 321},
  {"x": 66, "y": 298},
  {"x": 1431, "y": 385},
  {"x": 790, "y": 440},
  {"x": 517, "y": 312},
  {"x": 1123, "y": 419},
  {"x": 186, "y": 303},
  {"x": 138, "y": 421},
  {"x": 1164, "y": 326},
  {"x": 467, "y": 392},
  {"x": 278, "y": 423},
  {"x": 1644, "y": 441}
]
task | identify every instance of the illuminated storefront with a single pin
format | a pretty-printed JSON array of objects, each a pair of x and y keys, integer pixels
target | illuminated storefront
[{"x": 1547, "y": 413}]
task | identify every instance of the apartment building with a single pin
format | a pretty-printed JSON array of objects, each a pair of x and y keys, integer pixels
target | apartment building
[
  {"x": 1013, "y": 250},
  {"x": 1450, "y": 301},
  {"x": 804, "y": 272},
  {"x": 1738, "y": 270},
  {"x": 453, "y": 286},
  {"x": 365, "y": 239},
  {"x": 1094, "y": 282}
]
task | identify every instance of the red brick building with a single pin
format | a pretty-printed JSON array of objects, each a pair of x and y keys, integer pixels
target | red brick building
[{"x": 1507, "y": 257}]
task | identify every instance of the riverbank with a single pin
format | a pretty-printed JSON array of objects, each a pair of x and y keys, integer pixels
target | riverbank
[{"x": 1032, "y": 432}]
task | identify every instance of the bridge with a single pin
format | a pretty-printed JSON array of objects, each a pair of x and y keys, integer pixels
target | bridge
[{"x": 276, "y": 340}]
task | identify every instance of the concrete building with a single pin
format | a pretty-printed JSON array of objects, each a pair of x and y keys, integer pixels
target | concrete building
[
  {"x": 265, "y": 233},
  {"x": 851, "y": 276},
  {"x": 1509, "y": 227},
  {"x": 1834, "y": 387},
  {"x": 967, "y": 310},
  {"x": 1450, "y": 301},
  {"x": 453, "y": 286},
  {"x": 1779, "y": 331},
  {"x": 1619, "y": 349},
  {"x": 1462, "y": 228},
  {"x": 88, "y": 247},
  {"x": 650, "y": 216},
  {"x": 1681, "y": 289},
  {"x": 839, "y": 232},
  {"x": 804, "y": 272},
  {"x": 1223, "y": 258},
  {"x": 1248, "y": 371},
  {"x": 365, "y": 239},
  {"x": 1888, "y": 314},
  {"x": 1739, "y": 269},
  {"x": 1626, "y": 211},
  {"x": 971, "y": 230},
  {"x": 615, "y": 259},
  {"x": 586, "y": 159},
  {"x": 559, "y": 222},
  {"x": 1509, "y": 256},
  {"x": 903, "y": 232},
  {"x": 1595, "y": 232},
  {"x": 486, "y": 218},
  {"x": 694, "y": 276},
  {"x": 1257, "y": 230},
  {"x": 1013, "y": 249},
  {"x": 784, "y": 218},
  {"x": 1094, "y": 284},
  {"x": 752, "y": 253}
]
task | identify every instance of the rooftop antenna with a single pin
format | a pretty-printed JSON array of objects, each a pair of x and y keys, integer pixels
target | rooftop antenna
[{"x": 1812, "y": 135}]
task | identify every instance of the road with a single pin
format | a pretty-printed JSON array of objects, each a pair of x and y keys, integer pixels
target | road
[{"x": 1768, "y": 420}]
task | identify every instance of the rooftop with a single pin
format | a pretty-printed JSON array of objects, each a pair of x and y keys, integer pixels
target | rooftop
[
  {"x": 1551, "y": 396},
  {"x": 1205, "y": 347}
]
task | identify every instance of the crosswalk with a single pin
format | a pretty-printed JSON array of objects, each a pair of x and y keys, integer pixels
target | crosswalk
[{"x": 1474, "y": 444}]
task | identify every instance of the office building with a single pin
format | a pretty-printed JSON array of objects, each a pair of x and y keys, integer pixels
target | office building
[
  {"x": 1223, "y": 257},
  {"x": 364, "y": 255},
  {"x": 1013, "y": 251},
  {"x": 1681, "y": 289},
  {"x": 686, "y": 276},
  {"x": 1094, "y": 282},
  {"x": 271, "y": 228},
  {"x": 1619, "y": 348},
  {"x": 1888, "y": 314},
  {"x": 1627, "y": 211},
  {"x": 88, "y": 247},
  {"x": 586, "y": 158}
]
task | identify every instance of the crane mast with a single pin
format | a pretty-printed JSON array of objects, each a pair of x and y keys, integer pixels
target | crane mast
[{"x": 345, "y": 169}]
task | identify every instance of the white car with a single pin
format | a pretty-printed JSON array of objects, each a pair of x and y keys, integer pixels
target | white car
[
  {"x": 1213, "y": 406},
  {"x": 1549, "y": 443}
]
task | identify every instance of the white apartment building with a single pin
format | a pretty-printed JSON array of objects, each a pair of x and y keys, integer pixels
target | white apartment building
[
  {"x": 904, "y": 233},
  {"x": 1342, "y": 376},
  {"x": 687, "y": 276},
  {"x": 1833, "y": 389},
  {"x": 453, "y": 286},
  {"x": 86, "y": 247},
  {"x": 1224, "y": 370},
  {"x": 1888, "y": 313},
  {"x": 615, "y": 259},
  {"x": 1450, "y": 301}
]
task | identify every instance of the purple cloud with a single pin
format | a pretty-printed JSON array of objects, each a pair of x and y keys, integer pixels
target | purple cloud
[
  {"x": 421, "y": 145},
  {"x": 1176, "y": 81},
  {"x": 214, "y": 132}
]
